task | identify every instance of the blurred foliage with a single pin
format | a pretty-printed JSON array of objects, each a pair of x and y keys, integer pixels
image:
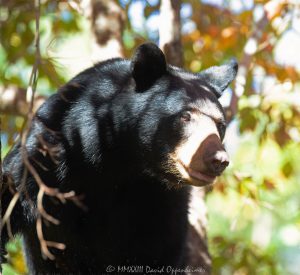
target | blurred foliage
[
  {"x": 17, "y": 34},
  {"x": 254, "y": 209},
  {"x": 16, "y": 264}
]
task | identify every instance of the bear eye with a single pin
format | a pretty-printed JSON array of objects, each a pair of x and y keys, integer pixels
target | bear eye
[
  {"x": 221, "y": 128},
  {"x": 186, "y": 116}
]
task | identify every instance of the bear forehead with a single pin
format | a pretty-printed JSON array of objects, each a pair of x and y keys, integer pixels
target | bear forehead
[{"x": 187, "y": 92}]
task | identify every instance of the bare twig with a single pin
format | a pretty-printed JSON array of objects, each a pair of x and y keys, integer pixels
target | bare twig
[
  {"x": 43, "y": 188},
  {"x": 41, "y": 209},
  {"x": 43, "y": 243},
  {"x": 9, "y": 210}
]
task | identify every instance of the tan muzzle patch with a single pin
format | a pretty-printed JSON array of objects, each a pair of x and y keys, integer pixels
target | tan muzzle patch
[{"x": 197, "y": 158}]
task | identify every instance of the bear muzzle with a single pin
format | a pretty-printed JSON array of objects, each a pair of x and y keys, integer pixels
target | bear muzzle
[
  {"x": 211, "y": 158},
  {"x": 208, "y": 162}
]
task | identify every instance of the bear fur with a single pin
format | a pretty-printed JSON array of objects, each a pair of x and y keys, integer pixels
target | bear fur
[{"x": 108, "y": 135}]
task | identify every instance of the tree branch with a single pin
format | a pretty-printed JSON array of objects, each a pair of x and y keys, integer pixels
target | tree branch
[
  {"x": 107, "y": 24},
  {"x": 170, "y": 31}
]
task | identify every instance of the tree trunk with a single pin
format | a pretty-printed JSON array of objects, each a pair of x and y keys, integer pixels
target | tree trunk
[
  {"x": 107, "y": 24},
  {"x": 170, "y": 31}
]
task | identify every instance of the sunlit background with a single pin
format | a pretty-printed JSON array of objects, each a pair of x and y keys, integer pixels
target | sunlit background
[{"x": 254, "y": 209}]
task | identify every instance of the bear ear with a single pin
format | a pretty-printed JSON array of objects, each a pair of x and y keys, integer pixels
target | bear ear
[
  {"x": 147, "y": 65},
  {"x": 219, "y": 77}
]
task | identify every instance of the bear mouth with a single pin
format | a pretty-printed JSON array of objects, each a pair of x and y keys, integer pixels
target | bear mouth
[
  {"x": 200, "y": 176},
  {"x": 195, "y": 177}
]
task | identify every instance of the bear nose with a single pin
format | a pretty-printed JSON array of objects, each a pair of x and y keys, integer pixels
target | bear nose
[{"x": 217, "y": 162}]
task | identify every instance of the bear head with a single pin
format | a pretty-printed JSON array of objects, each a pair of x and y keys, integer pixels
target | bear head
[{"x": 180, "y": 122}]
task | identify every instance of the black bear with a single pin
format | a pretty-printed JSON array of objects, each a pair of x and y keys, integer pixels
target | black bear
[{"x": 129, "y": 137}]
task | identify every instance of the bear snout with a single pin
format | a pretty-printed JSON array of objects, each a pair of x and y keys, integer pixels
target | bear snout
[
  {"x": 216, "y": 162},
  {"x": 211, "y": 157}
]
